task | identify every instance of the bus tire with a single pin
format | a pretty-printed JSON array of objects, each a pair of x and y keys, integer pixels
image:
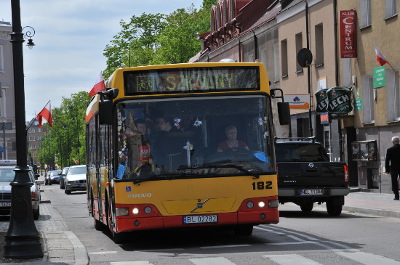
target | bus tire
[
  {"x": 244, "y": 230},
  {"x": 99, "y": 226}
]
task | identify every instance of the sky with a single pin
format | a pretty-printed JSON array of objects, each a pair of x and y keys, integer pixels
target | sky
[{"x": 70, "y": 37}]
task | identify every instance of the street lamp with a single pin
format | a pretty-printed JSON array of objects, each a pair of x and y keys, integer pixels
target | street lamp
[
  {"x": 29, "y": 32},
  {"x": 22, "y": 238}
]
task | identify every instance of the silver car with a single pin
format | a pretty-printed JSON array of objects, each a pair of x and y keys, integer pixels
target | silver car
[
  {"x": 75, "y": 179},
  {"x": 7, "y": 175}
]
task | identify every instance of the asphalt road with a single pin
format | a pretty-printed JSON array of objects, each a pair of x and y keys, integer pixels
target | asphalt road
[{"x": 299, "y": 238}]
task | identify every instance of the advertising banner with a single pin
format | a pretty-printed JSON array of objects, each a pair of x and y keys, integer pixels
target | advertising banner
[
  {"x": 339, "y": 100},
  {"x": 348, "y": 34}
]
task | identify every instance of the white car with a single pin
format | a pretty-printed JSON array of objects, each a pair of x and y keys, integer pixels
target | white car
[
  {"x": 75, "y": 179},
  {"x": 7, "y": 175}
]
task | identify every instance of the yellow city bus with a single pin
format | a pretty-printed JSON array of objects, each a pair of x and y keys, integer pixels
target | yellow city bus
[{"x": 184, "y": 145}]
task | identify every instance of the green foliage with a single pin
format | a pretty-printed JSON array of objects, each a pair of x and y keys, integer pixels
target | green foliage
[
  {"x": 64, "y": 144},
  {"x": 158, "y": 38}
]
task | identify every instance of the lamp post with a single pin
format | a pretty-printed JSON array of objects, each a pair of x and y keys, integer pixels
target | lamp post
[{"x": 22, "y": 238}]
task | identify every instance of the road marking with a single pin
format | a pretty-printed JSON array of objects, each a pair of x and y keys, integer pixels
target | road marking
[
  {"x": 291, "y": 259},
  {"x": 227, "y": 246},
  {"x": 290, "y": 243},
  {"x": 103, "y": 252},
  {"x": 131, "y": 263},
  {"x": 269, "y": 230},
  {"x": 212, "y": 261},
  {"x": 368, "y": 258}
]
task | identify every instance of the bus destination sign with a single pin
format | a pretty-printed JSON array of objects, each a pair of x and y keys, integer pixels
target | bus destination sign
[{"x": 200, "y": 79}]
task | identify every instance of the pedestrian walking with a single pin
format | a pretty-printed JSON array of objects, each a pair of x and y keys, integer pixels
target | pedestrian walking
[{"x": 392, "y": 164}]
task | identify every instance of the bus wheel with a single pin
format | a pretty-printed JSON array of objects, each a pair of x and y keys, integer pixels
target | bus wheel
[
  {"x": 243, "y": 230},
  {"x": 99, "y": 226}
]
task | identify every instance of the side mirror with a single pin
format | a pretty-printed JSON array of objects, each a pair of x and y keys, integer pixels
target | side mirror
[
  {"x": 37, "y": 176},
  {"x": 106, "y": 106},
  {"x": 283, "y": 107},
  {"x": 284, "y": 113},
  {"x": 105, "y": 112}
]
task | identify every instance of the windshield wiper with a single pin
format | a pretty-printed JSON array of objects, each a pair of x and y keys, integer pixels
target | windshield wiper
[{"x": 223, "y": 164}]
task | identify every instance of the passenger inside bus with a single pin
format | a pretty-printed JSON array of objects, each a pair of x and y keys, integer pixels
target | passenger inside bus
[
  {"x": 231, "y": 144},
  {"x": 168, "y": 146}
]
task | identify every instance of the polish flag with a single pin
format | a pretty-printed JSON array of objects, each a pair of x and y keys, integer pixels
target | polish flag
[
  {"x": 45, "y": 113},
  {"x": 379, "y": 56},
  {"x": 99, "y": 86}
]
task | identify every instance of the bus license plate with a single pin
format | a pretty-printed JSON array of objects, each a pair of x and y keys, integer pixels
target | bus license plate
[
  {"x": 5, "y": 204},
  {"x": 312, "y": 192},
  {"x": 200, "y": 219}
]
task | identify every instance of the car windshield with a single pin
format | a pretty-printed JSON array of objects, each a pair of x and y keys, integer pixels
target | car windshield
[
  {"x": 194, "y": 137},
  {"x": 56, "y": 172},
  {"x": 77, "y": 170},
  {"x": 300, "y": 152},
  {"x": 7, "y": 174}
]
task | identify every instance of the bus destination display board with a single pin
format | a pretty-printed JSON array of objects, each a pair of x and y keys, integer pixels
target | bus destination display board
[{"x": 202, "y": 79}]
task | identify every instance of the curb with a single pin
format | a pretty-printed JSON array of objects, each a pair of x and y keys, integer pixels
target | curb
[
  {"x": 81, "y": 256},
  {"x": 378, "y": 212}
]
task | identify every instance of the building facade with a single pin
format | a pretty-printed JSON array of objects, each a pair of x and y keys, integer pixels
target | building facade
[
  {"x": 34, "y": 137},
  {"x": 274, "y": 32},
  {"x": 7, "y": 106}
]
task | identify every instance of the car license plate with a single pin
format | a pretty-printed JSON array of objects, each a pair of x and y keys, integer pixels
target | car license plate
[
  {"x": 312, "y": 192},
  {"x": 200, "y": 219},
  {"x": 5, "y": 204}
]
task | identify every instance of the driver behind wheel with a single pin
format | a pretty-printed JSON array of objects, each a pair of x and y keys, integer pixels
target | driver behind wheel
[{"x": 231, "y": 143}]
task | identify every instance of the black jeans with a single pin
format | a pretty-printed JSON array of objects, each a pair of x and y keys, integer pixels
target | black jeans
[{"x": 395, "y": 185}]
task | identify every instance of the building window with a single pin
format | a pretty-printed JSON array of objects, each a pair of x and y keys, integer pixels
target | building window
[
  {"x": 1, "y": 57},
  {"x": 284, "y": 59},
  {"x": 319, "y": 45},
  {"x": 390, "y": 8},
  {"x": 368, "y": 95},
  {"x": 299, "y": 46},
  {"x": 365, "y": 17},
  {"x": 276, "y": 62},
  {"x": 392, "y": 96}
]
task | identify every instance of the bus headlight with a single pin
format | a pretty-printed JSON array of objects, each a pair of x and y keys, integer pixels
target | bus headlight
[
  {"x": 261, "y": 204},
  {"x": 135, "y": 210},
  {"x": 273, "y": 203}
]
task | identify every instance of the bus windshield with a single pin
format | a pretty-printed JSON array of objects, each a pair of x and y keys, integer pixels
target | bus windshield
[{"x": 193, "y": 137}]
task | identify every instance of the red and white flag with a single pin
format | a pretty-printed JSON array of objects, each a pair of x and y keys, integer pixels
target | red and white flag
[
  {"x": 379, "y": 56},
  {"x": 99, "y": 86},
  {"x": 45, "y": 113}
]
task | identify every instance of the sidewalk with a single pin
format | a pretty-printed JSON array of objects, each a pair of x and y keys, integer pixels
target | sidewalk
[
  {"x": 60, "y": 246},
  {"x": 381, "y": 204}
]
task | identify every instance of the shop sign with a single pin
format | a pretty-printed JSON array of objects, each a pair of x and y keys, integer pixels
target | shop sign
[
  {"x": 348, "y": 34},
  {"x": 358, "y": 104},
  {"x": 379, "y": 76},
  {"x": 339, "y": 100},
  {"x": 298, "y": 101}
]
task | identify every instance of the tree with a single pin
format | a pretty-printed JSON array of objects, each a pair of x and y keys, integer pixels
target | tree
[
  {"x": 158, "y": 39},
  {"x": 66, "y": 138},
  {"x": 135, "y": 44}
]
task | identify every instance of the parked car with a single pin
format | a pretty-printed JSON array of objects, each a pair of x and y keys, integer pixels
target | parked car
[
  {"x": 62, "y": 177},
  {"x": 52, "y": 176},
  {"x": 7, "y": 175},
  {"x": 75, "y": 179}
]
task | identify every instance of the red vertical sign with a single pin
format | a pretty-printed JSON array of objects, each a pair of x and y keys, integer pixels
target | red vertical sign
[{"x": 348, "y": 34}]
